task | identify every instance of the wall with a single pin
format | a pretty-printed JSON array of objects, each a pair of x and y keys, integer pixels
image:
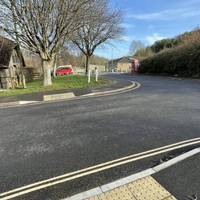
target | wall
[
  {"x": 8, "y": 78},
  {"x": 124, "y": 67}
]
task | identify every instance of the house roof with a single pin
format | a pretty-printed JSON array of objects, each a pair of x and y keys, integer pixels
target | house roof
[
  {"x": 127, "y": 59},
  {"x": 6, "y": 49}
]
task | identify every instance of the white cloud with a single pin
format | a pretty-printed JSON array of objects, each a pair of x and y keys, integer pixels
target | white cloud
[
  {"x": 153, "y": 38},
  {"x": 125, "y": 38},
  {"x": 168, "y": 14}
]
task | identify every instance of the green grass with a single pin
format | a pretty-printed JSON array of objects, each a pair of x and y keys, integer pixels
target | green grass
[{"x": 63, "y": 82}]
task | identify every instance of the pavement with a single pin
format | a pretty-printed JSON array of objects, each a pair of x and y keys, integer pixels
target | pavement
[
  {"x": 39, "y": 142},
  {"x": 138, "y": 186},
  {"x": 145, "y": 188}
]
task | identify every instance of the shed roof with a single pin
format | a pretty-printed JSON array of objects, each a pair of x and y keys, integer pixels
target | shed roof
[{"x": 6, "y": 48}]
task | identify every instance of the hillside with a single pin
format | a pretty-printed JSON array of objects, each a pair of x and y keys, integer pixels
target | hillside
[{"x": 176, "y": 56}]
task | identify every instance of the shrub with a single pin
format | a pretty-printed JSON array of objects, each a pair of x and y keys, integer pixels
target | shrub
[{"x": 183, "y": 60}]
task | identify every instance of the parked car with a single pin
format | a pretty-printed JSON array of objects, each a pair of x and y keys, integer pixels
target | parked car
[{"x": 64, "y": 71}]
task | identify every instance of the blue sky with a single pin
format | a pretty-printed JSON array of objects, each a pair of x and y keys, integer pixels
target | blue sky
[{"x": 151, "y": 20}]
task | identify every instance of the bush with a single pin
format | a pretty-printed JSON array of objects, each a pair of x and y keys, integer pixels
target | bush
[{"x": 183, "y": 60}]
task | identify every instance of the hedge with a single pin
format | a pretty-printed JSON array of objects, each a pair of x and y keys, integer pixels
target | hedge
[{"x": 183, "y": 61}]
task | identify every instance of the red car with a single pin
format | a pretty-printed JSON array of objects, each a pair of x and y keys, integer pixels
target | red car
[{"x": 64, "y": 71}]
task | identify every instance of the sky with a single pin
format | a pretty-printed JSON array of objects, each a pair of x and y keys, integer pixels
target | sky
[{"x": 149, "y": 21}]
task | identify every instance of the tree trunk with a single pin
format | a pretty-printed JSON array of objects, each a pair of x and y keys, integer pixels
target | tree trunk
[
  {"x": 47, "y": 67},
  {"x": 87, "y": 59},
  {"x": 22, "y": 65}
]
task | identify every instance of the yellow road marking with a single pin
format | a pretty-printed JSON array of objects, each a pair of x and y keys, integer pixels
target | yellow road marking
[{"x": 94, "y": 169}]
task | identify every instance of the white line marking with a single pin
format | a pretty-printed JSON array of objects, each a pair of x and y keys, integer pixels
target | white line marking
[{"x": 94, "y": 169}]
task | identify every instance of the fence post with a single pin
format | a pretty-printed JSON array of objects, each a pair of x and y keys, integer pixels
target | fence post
[
  {"x": 96, "y": 74},
  {"x": 89, "y": 76}
]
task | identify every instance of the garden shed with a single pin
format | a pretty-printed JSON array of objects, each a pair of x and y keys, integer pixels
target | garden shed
[{"x": 9, "y": 64}]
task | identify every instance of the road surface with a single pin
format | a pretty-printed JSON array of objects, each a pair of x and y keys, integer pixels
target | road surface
[{"x": 44, "y": 141}]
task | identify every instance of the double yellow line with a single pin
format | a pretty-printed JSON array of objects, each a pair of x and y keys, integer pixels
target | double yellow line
[{"x": 94, "y": 169}]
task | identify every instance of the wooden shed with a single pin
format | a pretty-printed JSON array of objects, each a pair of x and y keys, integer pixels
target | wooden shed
[{"x": 9, "y": 64}]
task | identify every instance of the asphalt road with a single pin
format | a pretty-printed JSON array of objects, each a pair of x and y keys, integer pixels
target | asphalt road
[
  {"x": 183, "y": 179},
  {"x": 43, "y": 141}
]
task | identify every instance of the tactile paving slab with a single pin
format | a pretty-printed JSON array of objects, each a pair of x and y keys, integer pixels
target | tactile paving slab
[
  {"x": 148, "y": 189},
  {"x": 170, "y": 198},
  {"x": 121, "y": 193},
  {"x": 143, "y": 189}
]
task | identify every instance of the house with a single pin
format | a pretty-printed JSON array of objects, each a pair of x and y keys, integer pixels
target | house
[
  {"x": 9, "y": 64},
  {"x": 135, "y": 65},
  {"x": 123, "y": 64}
]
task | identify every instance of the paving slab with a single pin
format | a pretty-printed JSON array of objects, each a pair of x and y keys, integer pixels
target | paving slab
[{"x": 143, "y": 189}]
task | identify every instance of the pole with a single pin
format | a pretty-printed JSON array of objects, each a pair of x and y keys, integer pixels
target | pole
[
  {"x": 97, "y": 74},
  {"x": 89, "y": 76},
  {"x": 112, "y": 61},
  {"x": 24, "y": 82}
]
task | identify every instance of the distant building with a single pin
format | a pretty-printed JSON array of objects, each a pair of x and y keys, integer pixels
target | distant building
[
  {"x": 100, "y": 68},
  {"x": 123, "y": 64},
  {"x": 135, "y": 65}
]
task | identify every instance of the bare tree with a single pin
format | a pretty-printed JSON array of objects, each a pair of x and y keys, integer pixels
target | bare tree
[
  {"x": 190, "y": 37},
  {"x": 43, "y": 26},
  {"x": 99, "y": 25}
]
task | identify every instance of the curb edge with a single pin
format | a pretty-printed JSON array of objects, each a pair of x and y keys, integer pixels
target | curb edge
[{"x": 123, "y": 181}]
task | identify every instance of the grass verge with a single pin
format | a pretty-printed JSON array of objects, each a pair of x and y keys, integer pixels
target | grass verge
[{"x": 59, "y": 83}]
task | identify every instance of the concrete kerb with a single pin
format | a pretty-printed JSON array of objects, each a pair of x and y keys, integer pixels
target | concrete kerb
[
  {"x": 61, "y": 96},
  {"x": 70, "y": 96},
  {"x": 121, "y": 182},
  {"x": 17, "y": 103}
]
